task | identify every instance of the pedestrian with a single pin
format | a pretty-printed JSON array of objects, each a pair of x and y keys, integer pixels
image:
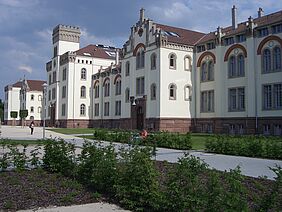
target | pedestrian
[
  {"x": 143, "y": 134},
  {"x": 31, "y": 126}
]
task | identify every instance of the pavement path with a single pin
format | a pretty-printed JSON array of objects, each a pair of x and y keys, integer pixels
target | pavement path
[{"x": 254, "y": 167}]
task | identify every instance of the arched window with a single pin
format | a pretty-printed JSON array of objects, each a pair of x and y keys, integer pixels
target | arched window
[
  {"x": 107, "y": 88},
  {"x": 83, "y": 92},
  {"x": 127, "y": 95},
  {"x": 187, "y": 93},
  {"x": 140, "y": 58},
  {"x": 153, "y": 91},
  {"x": 127, "y": 68},
  {"x": 172, "y": 61},
  {"x": 232, "y": 66},
  {"x": 266, "y": 60},
  {"x": 32, "y": 109},
  {"x": 153, "y": 61},
  {"x": 204, "y": 72},
  {"x": 210, "y": 71},
  {"x": 82, "y": 110},
  {"x": 32, "y": 97},
  {"x": 277, "y": 58},
  {"x": 118, "y": 87},
  {"x": 172, "y": 92},
  {"x": 96, "y": 90},
  {"x": 188, "y": 63},
  {"x": 31, "y": 118},
  {"x": 39, "y": 97},
  {"x": 241, "y": 65},
  {"x": 83, "y": 74},
  {"x": 39, "y": 110}
]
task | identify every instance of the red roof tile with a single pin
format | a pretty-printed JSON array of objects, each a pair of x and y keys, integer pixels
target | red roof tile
[
  {"x": 186, "y": 36},
  {"x": 35, "y": 85},
  {"x": 97, "y": 51}
]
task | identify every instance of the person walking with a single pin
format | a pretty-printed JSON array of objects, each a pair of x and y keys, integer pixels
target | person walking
[{"x": 31, "y": 126}]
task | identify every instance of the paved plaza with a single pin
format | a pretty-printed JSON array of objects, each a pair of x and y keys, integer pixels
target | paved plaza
[{"x": 254, "y": 167}]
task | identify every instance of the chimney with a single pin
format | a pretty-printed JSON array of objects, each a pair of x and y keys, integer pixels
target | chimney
[
  {"x": 260, "y": 12},
  {"x": 142, "y": 10},
  {"x": 234, "y": 18},
  {"x": 117, "y": 56}
]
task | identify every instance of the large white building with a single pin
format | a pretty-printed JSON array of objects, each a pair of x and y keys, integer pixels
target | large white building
[
  {"x": 226, "y": 81},
  {"x": 24, "y": 95}
]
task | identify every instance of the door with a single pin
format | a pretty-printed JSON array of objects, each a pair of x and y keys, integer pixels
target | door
[{"x": 140, "y": 118}]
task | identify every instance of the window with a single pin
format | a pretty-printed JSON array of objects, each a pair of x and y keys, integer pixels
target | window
[
  {"x": 64, "y": 92},
  {"x": 232, "y": 66},
  {"x": 204, "y": 72},
  {"x": 39, "y": 97},
  {"x": 266, "y": 129},
  {"x": 153, "y": 61},
  {"x": 32, "y": 97},
  {"x": 153, "y": 91},
  {"x": 55, "y": 51},
  {"x": 263, "y": 32},
  {"x": 277, "y": 29},
  {"x": 210, "y": 71},
  {"x": 96, "y": 109},
  {"x": 236, "y": 99},
  {"x": 107, "y": 88},
  {"x": 54, "y": 77},
  {"x": 118, "y": 87},
  {"x": 201, "y": 48},
  {"x": 96, "y": 90},
  {"x": 266, "y": 61},
  {"x": 228, "y": 41},
  {"x": 207, "y": 101},
  {"x": 50, "y": 79},
  {"x": 172, "y": 92},
  {"x": 140, "y": 85},
  {"x": 83, "y": 92},
  {"x": 32, "y": 109},
  {"x": 241, "y": 66},
  {"x": 272, "y": 96},
  {"x": 277, "y": 58},
  {"x": 64, "y": 74},
  {"x": 106, "y": 109},
  {"x": 188, "y": 63},
  {"x": 277, "y": 129},
  {"x": 127, "y": 95},
  {"x": 39, "y": 110},
  {"x": 127, "y": 68},
  {"x": 49, "y": 95},
  {"x": 140, "y": 58},
  {"x": 53, "y": 93},
  {"x": 82, "y": 110},
  {"x": 211, "y": 45},
  {"x": 54, "y": 63},
  {"x": 241, "y": 38},
  {"x": 63, "y": 109},
  {"x": 118, "y": 108},
  {"x": 187, "y": 93},
  {"x": 172, "y": 61},
  {"x": 83, "y": 74}
]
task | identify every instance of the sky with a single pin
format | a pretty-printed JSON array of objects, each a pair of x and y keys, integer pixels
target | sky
[{"x": 26, "y": 25}]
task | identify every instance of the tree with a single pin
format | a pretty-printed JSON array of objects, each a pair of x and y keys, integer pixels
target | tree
[
  {"x": 14, "y": 115},
  {"x": 23, "y": 115}
]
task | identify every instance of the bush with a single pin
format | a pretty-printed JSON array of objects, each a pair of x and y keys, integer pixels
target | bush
[
  {"x": 59, "y": 157},
  {"x": 137, "y": 185}
]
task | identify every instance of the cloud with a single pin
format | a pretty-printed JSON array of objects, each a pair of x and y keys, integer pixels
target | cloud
[
  {"x": 25, "y": 68},
  {"x": 19, "y": 3}
]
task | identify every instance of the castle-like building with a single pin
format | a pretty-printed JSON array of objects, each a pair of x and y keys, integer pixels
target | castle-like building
[{"x": 168, "y": 78}]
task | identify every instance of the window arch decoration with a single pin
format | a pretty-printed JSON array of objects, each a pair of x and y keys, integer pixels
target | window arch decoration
[
  {"x": 199, "y": 62},
  {"x": 235, "y": 46},
  {"x": 82, "y": 110},
  {"x": 172, "y": 60},
  {"x": 83, "y": 74},
  {"x": 265, "y": 40},
  {"x": 188, "y": 92},
  {"x": 82, "y": 92},
  {"x": 172, "y": 91},
  {"x": 188, "y": 63}
]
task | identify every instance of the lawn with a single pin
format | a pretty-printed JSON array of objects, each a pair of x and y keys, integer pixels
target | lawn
[
  {"x": 21, "y": 142},
  {"x": 69, "y": 131}
]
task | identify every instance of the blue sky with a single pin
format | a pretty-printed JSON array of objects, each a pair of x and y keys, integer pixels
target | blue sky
[{"x": 26, "y": 25}]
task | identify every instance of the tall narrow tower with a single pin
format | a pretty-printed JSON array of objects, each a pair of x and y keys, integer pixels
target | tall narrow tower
[{"x": 65, "y": 38}]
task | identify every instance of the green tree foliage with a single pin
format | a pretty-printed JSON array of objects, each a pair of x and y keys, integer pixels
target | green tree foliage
[
  {"x": 14, "y": 114},
  {"x": 23, "y": 114}
]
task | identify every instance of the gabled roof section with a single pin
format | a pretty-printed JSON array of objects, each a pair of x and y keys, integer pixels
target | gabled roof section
[
  {"x": 35, "y": 85},
  {"x": 98, "y": 51},
  {"x": 179, "y": 35}
]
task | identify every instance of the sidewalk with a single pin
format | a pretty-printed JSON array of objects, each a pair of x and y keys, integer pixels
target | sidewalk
[{"x": 254, "y": 167}]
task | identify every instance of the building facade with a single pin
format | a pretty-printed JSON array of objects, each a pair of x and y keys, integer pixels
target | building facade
[
  {"x": 69, "y": 76},
  {"x": 179, "y": 80},
  {"x": 24, "y": 95}
]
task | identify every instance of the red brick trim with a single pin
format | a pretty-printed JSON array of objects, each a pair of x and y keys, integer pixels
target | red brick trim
[
  {"x": 137, "y": 47},
  {"x": 265, "y": 40},
  {"x": 96, "y": 81},
  {"x": 105, "y": 80},
  {"x": 203, "y": 55},
  {"x": 116, "y": 78},
  {"x": 236, "y": 46}
]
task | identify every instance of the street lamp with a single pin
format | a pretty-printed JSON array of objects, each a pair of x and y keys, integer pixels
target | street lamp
[{"x": 44, "y": 107}]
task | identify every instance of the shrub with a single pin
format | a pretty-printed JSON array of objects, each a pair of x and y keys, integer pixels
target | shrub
[{"x": 59, "y": 157}]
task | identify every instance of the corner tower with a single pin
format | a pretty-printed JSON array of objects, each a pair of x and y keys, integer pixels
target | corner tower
[{"x": 65, "y": 38}]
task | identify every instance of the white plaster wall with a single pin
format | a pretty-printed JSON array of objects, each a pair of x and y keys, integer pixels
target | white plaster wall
[
  {"x": 13, "y": 103},
  {"x": 36, "y": 103}
]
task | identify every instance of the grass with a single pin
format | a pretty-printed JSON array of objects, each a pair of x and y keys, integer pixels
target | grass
[
  {"x": 21, "y": 142},
  {"x": 69, "y": 131}
]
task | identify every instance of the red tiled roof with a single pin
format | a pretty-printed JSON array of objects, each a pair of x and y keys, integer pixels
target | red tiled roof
[
  {"x": 96, "y": 51},
  {"x": 35, "y": 85},
  {"x": 17, "y": 84},
  {"x": 186, "y": 36}
]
